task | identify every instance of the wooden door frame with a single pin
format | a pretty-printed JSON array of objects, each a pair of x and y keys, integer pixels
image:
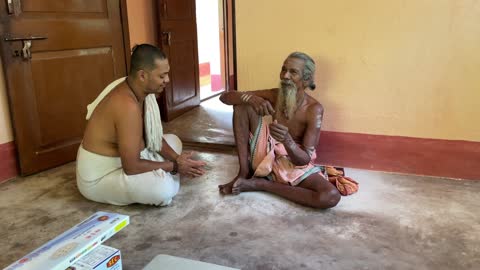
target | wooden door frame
[
  {"x": 230, "y": 81},
  {"x": 126, "y": 33}
]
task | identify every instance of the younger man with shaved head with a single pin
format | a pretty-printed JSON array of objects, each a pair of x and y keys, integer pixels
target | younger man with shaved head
[{"x": 124, "y": 157}]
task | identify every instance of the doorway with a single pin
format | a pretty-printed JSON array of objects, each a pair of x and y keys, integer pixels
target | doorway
[
  {"x": 201, "y": 51},
  {"x": 211, "y": 47}
]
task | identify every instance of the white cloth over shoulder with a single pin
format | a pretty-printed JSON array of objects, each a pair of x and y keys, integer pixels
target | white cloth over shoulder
[
  {"x": 102, "y": 179},
  {"x": 153, "y": 122}
]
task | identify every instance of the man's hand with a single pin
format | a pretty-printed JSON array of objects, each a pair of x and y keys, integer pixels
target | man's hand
[
  {"x": 261, "y": 106},
  {"x": 280, "y": 132},
  {"x": 188, "y": 166}
]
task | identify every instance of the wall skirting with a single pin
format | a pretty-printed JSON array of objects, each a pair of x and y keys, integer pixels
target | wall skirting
[
  {"x": 433, "y": 157},
  {"x": 8, "y": 161}
]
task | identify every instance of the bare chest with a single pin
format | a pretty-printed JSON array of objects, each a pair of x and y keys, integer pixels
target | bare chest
[{"x": 296, "y": 126}]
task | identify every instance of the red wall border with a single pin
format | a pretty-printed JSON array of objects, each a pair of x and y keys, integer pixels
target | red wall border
[
  {"x": 432, "y": 157},
  {"x": 8, "y": 161}
]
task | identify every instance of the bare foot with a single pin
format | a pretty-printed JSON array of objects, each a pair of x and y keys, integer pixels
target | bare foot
[
  {"x": 243, "y": 184},
  {"x": 226, "y": 189}
]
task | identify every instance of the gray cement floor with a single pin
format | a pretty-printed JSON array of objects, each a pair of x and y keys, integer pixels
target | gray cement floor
[{"x": 394, "y": 222}]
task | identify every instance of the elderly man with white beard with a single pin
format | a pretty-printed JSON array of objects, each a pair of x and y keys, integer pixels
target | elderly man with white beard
[{"x": 276, "y": 132}]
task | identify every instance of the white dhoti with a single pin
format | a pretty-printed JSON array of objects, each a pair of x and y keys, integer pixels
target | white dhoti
[{"x": 102, "y": 179}]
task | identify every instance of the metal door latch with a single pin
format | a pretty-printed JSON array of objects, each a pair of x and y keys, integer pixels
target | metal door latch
[
  {"x": 26, "y": 45},
  {"x": 26, "y": 53}
]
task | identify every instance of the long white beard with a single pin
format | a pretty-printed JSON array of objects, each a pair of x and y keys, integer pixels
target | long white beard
[{"x": 287, "y": 99}]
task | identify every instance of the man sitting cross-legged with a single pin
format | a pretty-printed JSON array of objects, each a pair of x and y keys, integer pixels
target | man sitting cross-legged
[
  {"x": 125, "y": 158},
  {"x": 276, "y": 132}
]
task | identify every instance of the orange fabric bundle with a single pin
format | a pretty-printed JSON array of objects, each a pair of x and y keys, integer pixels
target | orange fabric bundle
[{"x": 345, "y": 185}]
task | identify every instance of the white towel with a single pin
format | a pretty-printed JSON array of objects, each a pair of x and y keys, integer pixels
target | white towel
[
  {"x": 153, "y": 124},
  {"x": 152, "y": 120}
]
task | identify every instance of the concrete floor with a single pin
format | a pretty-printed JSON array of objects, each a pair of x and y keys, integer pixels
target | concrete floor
[{"x": 393, "y": 222}]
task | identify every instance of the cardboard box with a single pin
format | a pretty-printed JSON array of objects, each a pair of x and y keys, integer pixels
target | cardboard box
[
  {"x": 101, "y": 258},
  {"x": 69, "y": 247}
]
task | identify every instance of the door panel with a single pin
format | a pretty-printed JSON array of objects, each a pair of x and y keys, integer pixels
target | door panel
[
  {"x": 46, "y": 68},
  {"x": 63, "y": 6},
  {"x": 178, "y": 39},
  {"x": 184, "y": 79},
  {"x": 48, "y": 92},
  {"x": 178, "y": 9}
]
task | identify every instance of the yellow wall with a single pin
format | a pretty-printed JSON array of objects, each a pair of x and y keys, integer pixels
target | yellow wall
[
  {"x": 141, "y": 22},
  {"x": 407, "y": 68},
  {"x": 5, "y": 122}
]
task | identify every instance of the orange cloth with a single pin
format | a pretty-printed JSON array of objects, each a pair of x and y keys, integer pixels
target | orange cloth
[{"x": 345, "y": 185}]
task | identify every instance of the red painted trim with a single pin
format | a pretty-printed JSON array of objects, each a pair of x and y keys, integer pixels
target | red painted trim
[
  {"x": 217, "y": 82},
  {"x": 433, "y": 157},
  {"x": 204, "y": 69},
  {"x": 8, "y": 161}
]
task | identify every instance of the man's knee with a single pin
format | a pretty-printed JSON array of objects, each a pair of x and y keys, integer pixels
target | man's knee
[
  {"x": 327, "y": 199},
  {"x": 164, "y": 192},
  {"x": 174, "y": 142},
  {"x": 245, "y": 113},
  {"x": 243, "y": 109},
  {"x": 163, "y": 200}
]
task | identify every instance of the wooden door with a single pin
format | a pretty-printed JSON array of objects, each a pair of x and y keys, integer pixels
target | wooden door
[
  {"x": 178, "y": 39},
  {"x": 82, "y": 52},
  {"x": 230, "y": 40}
]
